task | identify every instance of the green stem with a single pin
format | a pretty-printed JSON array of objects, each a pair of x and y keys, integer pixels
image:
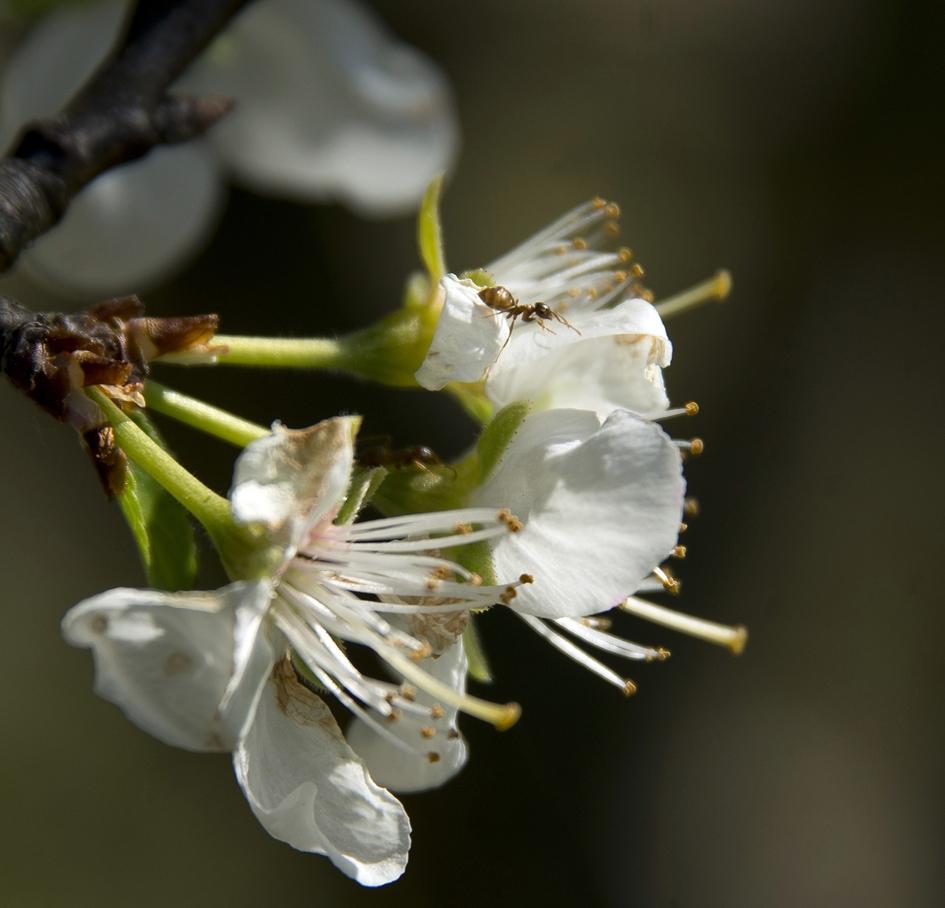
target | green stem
[
  {"x": 389, "y": 351},
  {"x": 203, "y": 416},
  {"x": 283, "y": 352},
  {"x": 210, "y": 509}
]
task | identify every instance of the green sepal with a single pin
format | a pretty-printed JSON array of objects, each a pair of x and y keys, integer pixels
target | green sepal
[
  {"x": 361, "y": 490},
  {"x": 498, "y": 434},
  {"x": 477, "y": 665},
  {"x": 472, "y": 398},
  {"x": 480, "y": 277},
  {"x": 160, "y": 525},
  {"x": 417, "y": 291},
  {"x": 430, "y": 233}
]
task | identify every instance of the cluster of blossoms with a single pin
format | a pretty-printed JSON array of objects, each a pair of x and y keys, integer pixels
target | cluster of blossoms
[{"x": 563, "y": 512}]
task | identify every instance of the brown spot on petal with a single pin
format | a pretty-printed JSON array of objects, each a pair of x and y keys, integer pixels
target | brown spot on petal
[{"x": 177, "y": 663}]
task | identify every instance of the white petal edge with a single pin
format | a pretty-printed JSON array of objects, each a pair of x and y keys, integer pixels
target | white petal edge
[
  {"x": 469, "y": 336},
  {"x": 601, "y": 506},
  {"x": 611, "y": 360},
  {"x": 288, "y": 481},
  {"x": 409, "y": 772},
  {"x": 308, "y": 788},
  {"x": 185, "y": 667}
]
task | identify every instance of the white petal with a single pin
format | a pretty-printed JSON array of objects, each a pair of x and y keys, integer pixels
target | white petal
[
  {"x": 308, "y": 788},
  {"x": 134, "y": 223},
  {"x": 601, "y": 507},
  {"x": 402, "y": 771},
  {"x": 330, "y": 105},
  {"x": 614, "y": 362},
  {"x": 469, "y": 336},
  {"x": 289, "y": 480},
  {"x": 186, "y": 667}
]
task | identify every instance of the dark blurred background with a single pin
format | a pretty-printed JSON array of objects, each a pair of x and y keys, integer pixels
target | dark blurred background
[{"x": 795, "y": 143}]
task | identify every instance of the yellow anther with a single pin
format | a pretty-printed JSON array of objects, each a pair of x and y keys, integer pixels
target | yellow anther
[
  {"x": 433, "y": 757},
  {"x": 636, "y": 269},
  {"x": 696, "y": 447},
  {"x": 598, "y": 202},
  {"x": 646, "y": 295},
  {"x": 612, "y": 210},
  {"x": 679, "y": 551},
  {"x": 427, "y": 731},
  {"x": 393, "y": 715},
  {"x": 511, "y": 522},
  {"x": 526, "y": 578},
  {"x": 625, "y": 255},
  {"x": 508, "y": 595},
  {"x": 421, "y": 652},
  {"x": 462, "y": 529},
  {"x": 691, "y": 408},
  {"x": 739, "y": 640},
  {"x": 612, "y": 228},
  {"x": 437, "y": 711},
  {"x": 579, "y": 242},
  {"x": 620, "y": 276},
  {"x": 670, "y": 583},
  {"x": 691, "y": 507},
  {"x": 408, "y": 693},
  {"x": 683, "y": 527},
  {"x": 629, "y": 688}
]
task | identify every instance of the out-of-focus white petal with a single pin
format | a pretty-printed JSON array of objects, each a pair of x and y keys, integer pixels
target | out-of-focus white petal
[
  {"x": 436, "y": 759},
  {"x": 308, "y": 787},
  {"x": 185, "y": 667},
  {"x": 611, "y": 360},
  {"x": 601, "y": 507},
  {"x": 468, "y": 337},
  {"x": 330, "y": 105},
  {"x": 133, "y": 224},
  {"x": 289, "y": 480}
]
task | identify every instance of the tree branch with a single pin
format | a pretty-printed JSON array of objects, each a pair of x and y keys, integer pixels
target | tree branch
[{"x": 120, "y": 114}]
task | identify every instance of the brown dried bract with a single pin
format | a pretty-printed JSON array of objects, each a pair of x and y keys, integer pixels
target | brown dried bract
[{"x": 51, "y": 357}]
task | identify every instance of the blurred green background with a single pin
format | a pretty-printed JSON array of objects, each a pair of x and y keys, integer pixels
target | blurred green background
[{"x": 794, "y": 143}]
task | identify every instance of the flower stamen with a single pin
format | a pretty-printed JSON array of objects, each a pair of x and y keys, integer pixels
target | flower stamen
[{"x": 732, "y": 638}]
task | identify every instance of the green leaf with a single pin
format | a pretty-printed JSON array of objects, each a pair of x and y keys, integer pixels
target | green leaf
[
  {"x": 161, "y": 527},
  {"x": 429, "y": 232}
]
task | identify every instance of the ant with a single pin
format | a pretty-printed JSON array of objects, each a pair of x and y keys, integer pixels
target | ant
[
  {"x": 419, "y": 457},
  {"x": 501, "y": 300}
]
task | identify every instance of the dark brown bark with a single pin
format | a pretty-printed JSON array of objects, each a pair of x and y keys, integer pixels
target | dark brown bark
[{"x": 120, "y": 114}]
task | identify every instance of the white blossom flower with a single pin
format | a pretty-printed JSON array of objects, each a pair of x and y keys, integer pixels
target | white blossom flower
[
  {"x": 602, "y": 505},
  {"x": 331, "y": 106},
  {"x": 207, "y": 671},
  {"x": 600, "y": 346}
]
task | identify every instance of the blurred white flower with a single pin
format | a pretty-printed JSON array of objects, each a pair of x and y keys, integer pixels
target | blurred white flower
[
  {"x": 208, "y": 671},
  {"x": 330, "y": 106},
  {"x": 575, "y": 330}
]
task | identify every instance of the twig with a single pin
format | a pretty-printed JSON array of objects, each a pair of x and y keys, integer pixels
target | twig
[{"x": 120, "y": 114}]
